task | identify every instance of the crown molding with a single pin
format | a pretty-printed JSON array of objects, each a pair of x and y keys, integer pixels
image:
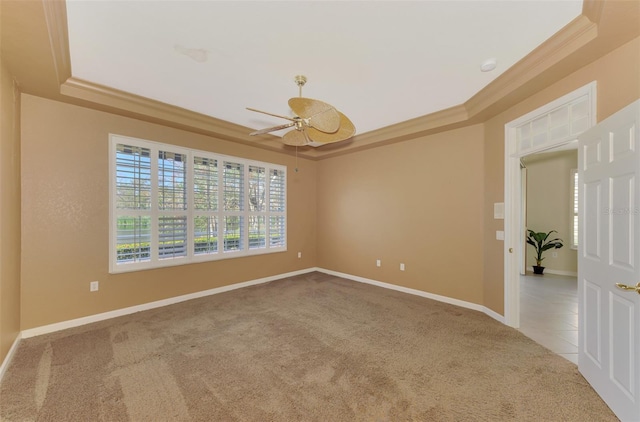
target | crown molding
[
  {"x": 442, "y": 118},
  {"x": 574, "y": 36},
  {"x": 100, "y": 94},
  {"x": 592, "y": 9},
  {"x": 142, "y": 108},
  {"x": 55, "y": 13},
  {"x": 568, "y": 40},
  {"x": 508, "y": 89},
  {"x": 84, "y": 93},
  {"x": 410, "y": 129},
  {"x": 565, "y": 42}
]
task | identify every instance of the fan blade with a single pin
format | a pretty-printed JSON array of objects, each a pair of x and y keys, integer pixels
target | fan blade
[
  {"x": 296, "y": 138},
  {"x": 326, "y": 121},
  {"x": 346, "y": 131},
  {"x": 271, "y": 114},
  {"x": 272, "y": 129},
  {"x": 322, "y": 116}
]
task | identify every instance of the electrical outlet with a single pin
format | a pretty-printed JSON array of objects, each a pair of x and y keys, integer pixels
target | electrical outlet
[
  {"x": 93, "y": 286},
  {"x": 554, "y": 254},
  {"x": 378, "y": 263},
  {"x": 299, "y": 254},
  {"x": 401, "y": 267}
]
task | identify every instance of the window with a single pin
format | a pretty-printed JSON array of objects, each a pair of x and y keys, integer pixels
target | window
[
  {"x": 171, "y": 205},
  {"x": 554, "y": 123},
  {"x": 574, "y": 209}
]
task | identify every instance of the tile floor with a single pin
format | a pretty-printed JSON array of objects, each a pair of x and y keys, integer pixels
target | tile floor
[{"x": 549, "y": 312}]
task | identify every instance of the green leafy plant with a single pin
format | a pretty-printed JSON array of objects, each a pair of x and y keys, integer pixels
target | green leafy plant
[
  {"x": 142, "y": 250},
  {"x": 541, "y": 242}
]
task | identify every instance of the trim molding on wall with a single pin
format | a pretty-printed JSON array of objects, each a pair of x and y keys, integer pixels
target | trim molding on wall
[
  {"x": 421, "y": 293},
  {"x": 46, "y": 329},
  {"x": 568, "y": 40},
  {"x": 56, "y": 18},
  {"x": 509, "y": 88},
  {"x": 115, "y": 98},
  {"x": 5, "y": 363}
]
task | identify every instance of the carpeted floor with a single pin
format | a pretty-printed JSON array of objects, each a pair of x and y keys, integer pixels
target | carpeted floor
[{"x": 309, "y": 348}]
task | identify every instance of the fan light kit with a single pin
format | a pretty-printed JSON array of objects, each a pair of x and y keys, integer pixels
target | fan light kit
[{"x": 315, "y": 122}]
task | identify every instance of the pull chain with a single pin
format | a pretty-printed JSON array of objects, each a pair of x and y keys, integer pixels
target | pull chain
[{"x": 296, "y": 158}]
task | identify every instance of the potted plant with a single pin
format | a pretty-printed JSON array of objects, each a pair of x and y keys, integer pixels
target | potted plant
[{"x": 539, "y": 240}]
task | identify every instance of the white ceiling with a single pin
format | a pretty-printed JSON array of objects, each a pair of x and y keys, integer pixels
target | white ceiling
[{"x": 379, "y": 62}]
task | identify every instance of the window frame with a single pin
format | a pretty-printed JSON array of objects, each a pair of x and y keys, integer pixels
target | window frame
[
  {"x": 574, "y": 208},
  {"x": 155, "y": 211}
]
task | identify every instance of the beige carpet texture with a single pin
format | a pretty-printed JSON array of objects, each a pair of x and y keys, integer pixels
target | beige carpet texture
[{"x": 308, "y": 348}]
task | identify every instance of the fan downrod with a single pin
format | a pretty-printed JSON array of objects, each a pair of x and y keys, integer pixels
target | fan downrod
[{"x": 300, "y": 81}]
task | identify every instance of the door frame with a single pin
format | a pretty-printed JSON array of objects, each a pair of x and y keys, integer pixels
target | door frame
[{"x": 513, "y": 246}]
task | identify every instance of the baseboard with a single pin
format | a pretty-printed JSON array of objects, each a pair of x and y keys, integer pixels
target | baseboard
[
  {"x": 46, "y": 329},
  {"x": 439, "y": 298},
  {"x": 493, "y": 314},
  {"x": 7, "y": 359},
  {"x": 556, "y": 272}
]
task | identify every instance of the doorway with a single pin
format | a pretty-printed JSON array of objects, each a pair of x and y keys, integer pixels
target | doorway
[
  {"x": 549, "y": 302},
  {"x": 549, "y": 127}
]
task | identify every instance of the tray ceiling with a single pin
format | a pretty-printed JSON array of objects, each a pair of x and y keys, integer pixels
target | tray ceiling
[{"x": 380, "y": 62}]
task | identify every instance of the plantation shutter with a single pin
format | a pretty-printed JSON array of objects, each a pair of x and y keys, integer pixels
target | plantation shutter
[
  {"x": 205, "y": 199},
  {"x": 277, "y": 206},
  {"x": 132, "y": 203},
  {"x": 233, "y": 192},
  {"x": 257, "y": 207},
  {"x": 172, "y": 205}
]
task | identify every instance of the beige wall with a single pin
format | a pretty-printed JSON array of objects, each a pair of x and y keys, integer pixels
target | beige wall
[
  {"x": 427, "y": 202},
  {"x": 381, "y": 203},
  {"x": 549, "y": 206},
  {"x": 618, "y": 85},
  {"x": 9, "y": 212},
  {"x": 65, "y": 217},
  {"x": 417, "y": 202}
]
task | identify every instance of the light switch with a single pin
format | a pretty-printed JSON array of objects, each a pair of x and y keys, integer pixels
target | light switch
[
  {"x": 498, "y": 211},
  {"x": 499, "y": 235}
]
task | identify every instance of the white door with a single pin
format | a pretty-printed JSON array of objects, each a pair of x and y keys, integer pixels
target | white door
[{"x": 609, "y": 253}]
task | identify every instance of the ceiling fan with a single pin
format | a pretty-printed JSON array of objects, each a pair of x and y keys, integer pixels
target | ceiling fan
[{"x": 315, "y": 122}]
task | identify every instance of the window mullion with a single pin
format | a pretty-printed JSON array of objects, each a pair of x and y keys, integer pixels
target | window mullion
[
  {"x": 267, "y": 208},
  {"x": 574, "y": 208},
  {"x": 155, "y": 205},
  {"x": 220, "y": 210},
  {"x": 245, "y": 208},
  {"x": 190, "y": 211}
]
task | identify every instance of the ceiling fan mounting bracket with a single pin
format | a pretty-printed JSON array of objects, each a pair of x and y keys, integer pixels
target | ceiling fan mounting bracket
[{"x": 300, "y": 80}]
